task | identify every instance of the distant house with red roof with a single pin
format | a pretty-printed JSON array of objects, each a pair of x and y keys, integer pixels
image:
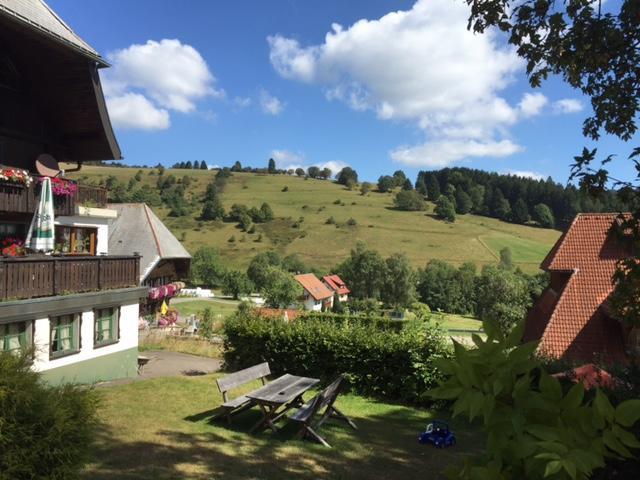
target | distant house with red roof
[
  {"x": 316, "y": 296},
  {"x": 572, "y": 318},
  {"x": 336, "y": 285}
]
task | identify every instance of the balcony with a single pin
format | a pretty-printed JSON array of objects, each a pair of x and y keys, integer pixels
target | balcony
[
  {"x": 43, "y": 276},
  {"x": 21, "y": 199}
]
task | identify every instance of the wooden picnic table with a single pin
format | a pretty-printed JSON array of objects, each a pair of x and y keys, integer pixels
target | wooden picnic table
[{"x": 285, "y": 391}]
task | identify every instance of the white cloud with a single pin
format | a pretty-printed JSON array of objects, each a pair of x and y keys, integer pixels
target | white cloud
[
  {"x": 286, "y": 160},
  {"x": 270, "y": 104},
  {"x": 169, "y": 75},
  {"x": 524, "y": 174},
  {"x": 423, "y": 66},
  {"x": 132, "y": 110},
  {"x": 532, "y": 104},
  {"x": 568, "y": 105},
  {"x": 241, "y": 102},
  {"x": 440, "y": 153}
]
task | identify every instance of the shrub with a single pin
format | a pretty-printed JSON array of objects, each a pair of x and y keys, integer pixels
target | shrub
[
  {"x": 285, "y": 188},
  {"x": 379, "y": 362},
  {"x": 534, "y": 429},
  {"x": 409, "y": 200},
  {"x": 330, "y": 221},
  {"x": 206, "y": 328},
  {"x": 352, "y": 222},
  {"x": 337, "y": 201},
  {"x": 232, "y": 239},
  {"x": 45, "y": 432}
]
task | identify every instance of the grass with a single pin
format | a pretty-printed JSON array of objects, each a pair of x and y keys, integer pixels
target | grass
[
  {"x": 194, "y": 346},
  {"x": 417, "y": 234},
  {"x": 451, "y": 321},
  {"x": 160, "y": 429},
  {"x": 221, "y": 309}
]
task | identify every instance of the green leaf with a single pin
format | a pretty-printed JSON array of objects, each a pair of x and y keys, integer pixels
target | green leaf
[
  {"x": 573, "y": 398},
  {"x": 444, "y": 393},
  {"x": 515, "y": 336},
  {"x": 570, "y": 468},
  {"x": 477, "y": 340},
  {"x": 603, "y": 406},
  {"x": 444, "y": 365},
  {"x": 550, "y": 387},
  {"x": 522, "y": 352},
  {"x": 612, "y": 443},
  {"x": 628, "y": 413},
  {"x": 553, "y": 467},
  {"x": 627, "y": 438}
]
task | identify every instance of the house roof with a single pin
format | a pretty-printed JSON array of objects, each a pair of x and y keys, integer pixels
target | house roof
[
  {"x": 314, "y": 286},
  {"x": 37, "y": 15},
  {"x": 336, "y": 284},
  {"x": 578, "y": 326},
  {"x": 138, "y": 229}
]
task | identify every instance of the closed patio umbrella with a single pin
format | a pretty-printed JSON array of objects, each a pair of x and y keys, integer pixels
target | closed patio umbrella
[{"x": 40, "y": 236}]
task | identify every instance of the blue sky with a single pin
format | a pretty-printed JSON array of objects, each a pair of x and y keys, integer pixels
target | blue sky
[{"x": 326, "y": 83}]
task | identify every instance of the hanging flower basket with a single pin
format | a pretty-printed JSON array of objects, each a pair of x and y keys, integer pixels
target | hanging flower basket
[
  {"x": 15, "y": 177},
  {"x": 12, "y": 247},
  {"x": 61, "y": 187}
]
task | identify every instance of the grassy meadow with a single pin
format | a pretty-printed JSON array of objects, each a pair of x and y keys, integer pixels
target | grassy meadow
[
  {"x": 161, "y": 429},
  {"x": 419, "y": 235}
]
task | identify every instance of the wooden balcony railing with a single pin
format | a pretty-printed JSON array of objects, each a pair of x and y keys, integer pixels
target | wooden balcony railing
[
  {"x": 21, "y": 199},
  {"x": 43, "y": 276}
]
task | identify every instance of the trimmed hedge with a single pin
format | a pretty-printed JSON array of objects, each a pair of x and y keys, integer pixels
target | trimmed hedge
[{"x": 379, "y": 362}]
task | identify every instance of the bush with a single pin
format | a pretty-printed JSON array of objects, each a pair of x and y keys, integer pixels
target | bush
[
  {"x": 45, "y": 432},
  {"x": 352, "y": 222},
  {"x": 534, "y": 428},
  {"x": 285, "y": 188},
  {"x": 330, "y": 221},
  {"x": 379, "y": 362},
  {"x": 409, "y": 200}
]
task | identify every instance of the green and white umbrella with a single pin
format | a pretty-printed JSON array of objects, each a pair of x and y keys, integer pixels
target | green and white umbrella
[{"x": 40, "y": 236}]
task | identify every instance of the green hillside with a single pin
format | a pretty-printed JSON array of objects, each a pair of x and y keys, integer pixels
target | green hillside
[{"x": 417, "y": 234}]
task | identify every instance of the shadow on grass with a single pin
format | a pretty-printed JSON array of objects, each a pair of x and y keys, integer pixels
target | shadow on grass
[{"x": 384, "y": 447}]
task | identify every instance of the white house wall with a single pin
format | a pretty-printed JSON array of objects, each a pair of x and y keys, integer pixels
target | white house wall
[
  {"x": 128, "y": 325},
  {"x": 101, "y": 224}
]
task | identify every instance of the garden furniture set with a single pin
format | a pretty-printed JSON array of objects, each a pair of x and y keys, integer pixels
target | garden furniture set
[{"x": 278, "y": 397}]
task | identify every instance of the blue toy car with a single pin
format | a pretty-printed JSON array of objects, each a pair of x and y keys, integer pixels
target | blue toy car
[{"x": 438, "y": 434}]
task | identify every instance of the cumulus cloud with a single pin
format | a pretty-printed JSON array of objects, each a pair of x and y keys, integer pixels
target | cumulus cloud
[
  {"x": 270, "y": 104},
  {"x": 525, "y": 174},
  {"x": 286, "y": 159},
  {"x": 532, "y": 104},
  {"x": 132, "y": 110},
  {"x": 440, "y": 153},
  {"x": 168, "y": 74},
  {"x": 423, "y": 66},
  {"x": 568, "y": 105}
]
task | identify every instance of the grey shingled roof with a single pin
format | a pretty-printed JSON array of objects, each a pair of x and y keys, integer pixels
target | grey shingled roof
[
  {"x": 39, "y": 16},
  {"x": 138, "y": 229}
]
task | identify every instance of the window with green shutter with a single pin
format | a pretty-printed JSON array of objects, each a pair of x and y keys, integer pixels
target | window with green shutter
[
  {"x": 65, "y": 335},
  {"x": 15, "y": 336},
  {"x": 105, "y": 326}
]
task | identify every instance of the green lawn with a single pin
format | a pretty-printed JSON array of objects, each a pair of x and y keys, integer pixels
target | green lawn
[
  {"x": 417, "y": 234},
  {"x": 221, "y": 309},
  {"x": 160, "y": 429},
  {"x": 456, "y": 322}
]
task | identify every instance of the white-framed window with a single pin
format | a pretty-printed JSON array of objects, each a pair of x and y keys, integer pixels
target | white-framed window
[
  {"x": 65, "y": 335},
  {"x": 15, "y": 336},
  {"x": 106, "y": 328}
]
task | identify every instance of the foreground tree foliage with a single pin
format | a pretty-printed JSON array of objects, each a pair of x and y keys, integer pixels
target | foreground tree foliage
[
  {"x": 534, "y": 429},
  {"x": 46, "y": 433},
  {"x": 595, "y": 47}
]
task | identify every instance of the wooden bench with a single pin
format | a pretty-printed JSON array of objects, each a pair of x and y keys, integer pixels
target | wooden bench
[
  {"x": 326, "y": 398},
  {"x": 235, "y": 380}
]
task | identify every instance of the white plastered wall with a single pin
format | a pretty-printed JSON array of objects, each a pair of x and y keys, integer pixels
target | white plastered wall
[{"x": 128, "y": 323}]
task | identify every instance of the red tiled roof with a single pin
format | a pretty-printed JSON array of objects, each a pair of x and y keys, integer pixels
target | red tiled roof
[
  {"x": 315, "y": 287},
  {"x": 591, "y": 377},
  {"x": 336, "y": 284},
  {"x": 578, "y": 328}
]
